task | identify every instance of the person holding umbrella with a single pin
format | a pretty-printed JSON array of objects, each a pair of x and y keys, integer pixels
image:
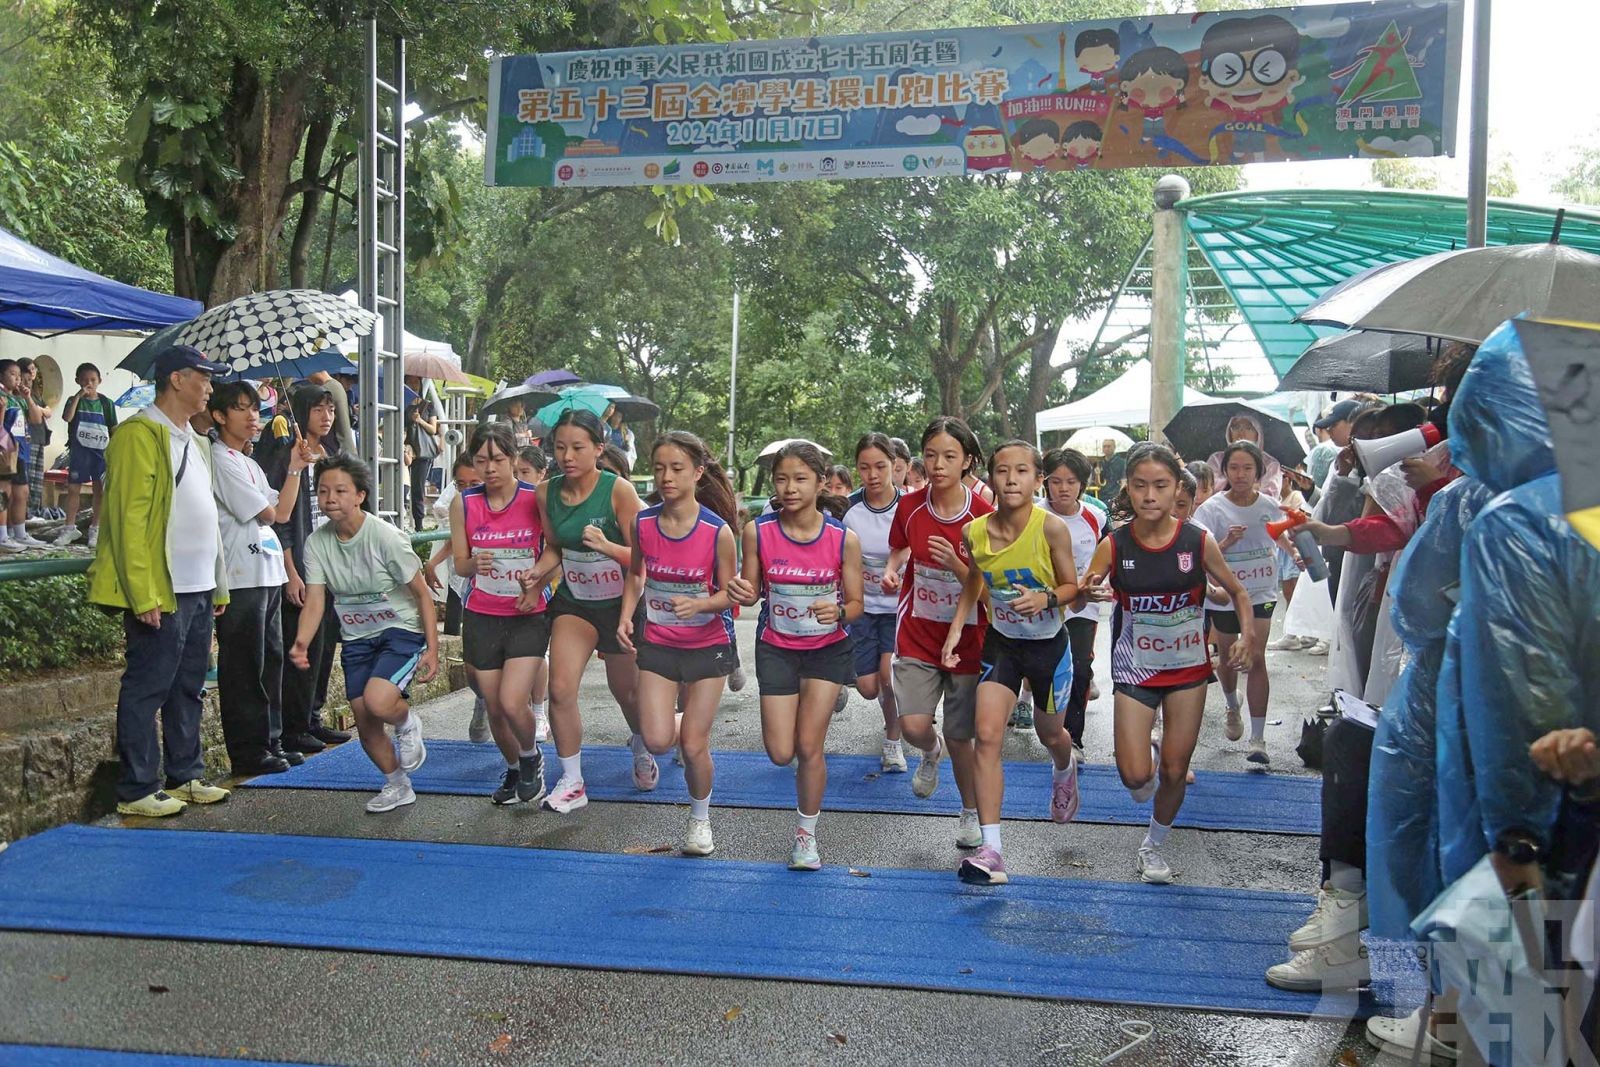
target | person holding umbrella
[{"x": 1248, "y": 428}]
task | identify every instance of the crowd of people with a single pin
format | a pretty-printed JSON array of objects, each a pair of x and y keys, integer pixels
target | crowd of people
[{"x": 956, "y": 586}]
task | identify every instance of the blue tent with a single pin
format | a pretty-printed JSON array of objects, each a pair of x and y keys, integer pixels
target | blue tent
[{"x": 42, "y": 295}]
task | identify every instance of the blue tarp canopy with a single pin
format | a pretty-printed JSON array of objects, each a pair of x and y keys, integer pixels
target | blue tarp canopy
[{"x": 41, "y": 295}]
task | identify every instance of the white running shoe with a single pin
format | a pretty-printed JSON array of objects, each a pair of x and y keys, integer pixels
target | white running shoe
[
  {"x": 1335, "y": 967},
  {"x": 94, "y": 536},
  {"x": 968, "y": 833},
  {"x": 392, "y": 796},
  {"x": 1319, "y": 647},
  {"x": 1338, "y": 914},
  {"x": 894, "y": 758},
  {"x": 568, "y": 795},
  {"x": 805, "y": 856},
  {"x": 1143, "y": 794},
  {"x": 1151, "y": 867},
  {"x": 1094, "y": 691},
  {"x": 541, "y": 728},
  {"x": 1234, "y": 726},
  {"x": 1289, "y": 643},
  {"x": 697, "y": 838},
  {"x": 67, "y": 535},
  {"x": 27, "y": 540},
  {"x": 646, "y": 774},
  {"x": 11, "y": 546},
  {"x": 926, "y": 780},
  {"x": 736, "y": 680},
  {"x": 408, "y": 743},
  {"x": 1398, "y": 1037},
  {"x": 1258, "y": 753}
]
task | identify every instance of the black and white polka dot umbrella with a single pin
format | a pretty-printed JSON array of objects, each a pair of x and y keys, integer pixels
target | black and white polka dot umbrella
[{"x": 287, "y": 332}]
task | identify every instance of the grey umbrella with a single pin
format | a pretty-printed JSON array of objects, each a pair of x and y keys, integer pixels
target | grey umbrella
[
  {"x": 532, "y": 396},
  {"x": 1364, "y": 361},
  {"x": 1464, "y": 295}
]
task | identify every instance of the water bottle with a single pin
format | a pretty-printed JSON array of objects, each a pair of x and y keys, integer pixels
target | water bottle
[{"x": 1310, "y": 554}]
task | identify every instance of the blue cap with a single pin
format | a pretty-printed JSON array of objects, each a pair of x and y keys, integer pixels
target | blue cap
[
  {"x": 185, "y": 357},
  {"x": 1343, "y": 410}
]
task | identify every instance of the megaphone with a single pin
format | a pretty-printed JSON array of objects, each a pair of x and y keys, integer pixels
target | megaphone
[
  {"x": 1295, "y": 517},
  {"x": 1310, "y": 551},
  {"x": 1384, "y": 452}
]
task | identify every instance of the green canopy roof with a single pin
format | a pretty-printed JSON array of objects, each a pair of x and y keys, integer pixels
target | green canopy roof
[{"x": 1276, "y": 252}]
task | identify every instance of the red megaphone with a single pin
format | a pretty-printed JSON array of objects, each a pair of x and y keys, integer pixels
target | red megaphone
[{"x": 1296, "y": 517}]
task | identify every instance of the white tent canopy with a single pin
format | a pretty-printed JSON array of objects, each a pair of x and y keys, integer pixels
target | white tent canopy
[
  {"x": 416, "y": 346},
  {"x": 1124, "y": 402}
]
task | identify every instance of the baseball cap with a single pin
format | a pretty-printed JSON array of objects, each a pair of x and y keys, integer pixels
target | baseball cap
[
  {"x": 185, "y": 357},
  {"x": 1340, "y": 412}
]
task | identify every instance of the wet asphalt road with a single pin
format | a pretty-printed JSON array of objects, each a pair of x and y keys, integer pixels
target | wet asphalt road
[{"x": 317, "y": 1006}]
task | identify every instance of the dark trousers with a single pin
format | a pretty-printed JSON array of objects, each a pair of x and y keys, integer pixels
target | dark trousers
[
  {"x": 250, "y": 672},
  {"x": 305, "y": 691},
  {"x": 1080, "y": 636},
  {"x": 166, "y": 674},
  {"x": 1346, "y": 765},
  {"x": 419, "y": 489}
]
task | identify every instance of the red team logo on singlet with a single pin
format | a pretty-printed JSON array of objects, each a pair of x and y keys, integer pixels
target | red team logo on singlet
[{"x": 1186, "y": 562}]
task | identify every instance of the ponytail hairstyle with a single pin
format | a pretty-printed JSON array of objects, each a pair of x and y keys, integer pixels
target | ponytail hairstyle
[
  {"x": 1033, "y": 454},
  {"x": 1255, "y": 454},
  {"x": 812, "y": 457},
  {"x": 712, "y": 489},
  {"x": 883, "y": 444}
]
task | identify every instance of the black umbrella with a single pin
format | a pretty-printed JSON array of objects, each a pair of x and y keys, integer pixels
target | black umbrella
[
  {"x": 1565, "y": 361},
  {"x": 144, "y": 354},
  {"x": 635, "y": 408},
  {"x": 1364, "y": 361},
  {"x": 533, "y": 398},
  {"x": 1198, "y": 430}
]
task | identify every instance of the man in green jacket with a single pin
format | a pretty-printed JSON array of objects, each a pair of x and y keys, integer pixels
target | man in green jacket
[{"x": 160, "y": 562}]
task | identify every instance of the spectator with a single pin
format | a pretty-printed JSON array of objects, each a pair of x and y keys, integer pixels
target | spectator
[
  {"x": 422, "y": 438},
  {"x": 160, "y": 563},
  {"x": 1248, "y": 428},
  {"x": 90, "y": 419},
  {"x": 38, "y": 438},
  {"x": 249, "y": 633},
  {"x": 1113, "y": 469},
  {"x": 900, "y": 456},
  {"x": 619, "y": 435},
  {"x": 1336, "y": 425},
  {"x": 14, "y": 536}
]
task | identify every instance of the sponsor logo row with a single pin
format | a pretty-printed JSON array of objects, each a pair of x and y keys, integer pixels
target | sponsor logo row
[{"x": 790, "y": 166}]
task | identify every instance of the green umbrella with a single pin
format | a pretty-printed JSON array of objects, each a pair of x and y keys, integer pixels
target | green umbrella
[{"x": 573, "y": 400}]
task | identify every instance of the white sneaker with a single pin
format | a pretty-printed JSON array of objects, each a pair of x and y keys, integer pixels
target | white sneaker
[
  {"x": 697, "y": 838},
  {"x": 1233, "y": 728},
  {"x": 1143, "y": 794},
  {"x": 568, "y": 795},
  {"x": 1094, "y": 691},
  {"x": 1398, "y": 1037},
  {"x": 1338, "y": 914},
  {"x": 645, "y": 772},
  {"x": 926, "y": 780},
  {"x": 968, "y": 833},
  {"x": 27, "y": 540},
  {"x": 1258, "y": 753},
  {"x": 11, "y": 546},
  {"x": 1289, "y": 643},
  {"x": 1151, "y": 867},
  {"x": 736, "y": 680},
  {"x": 1318, "y": 647},
  {"x": 541, "y": 728},
  {"x": 1339, "y": 965},
  {"x": 805, "y": 857},
  {"x": 408, "y": 744},
  {"x": 67, "y": 535},
  {"x": 392, "y": 796},
  {"x": 94, "y": 536},
  {"x": 894, "y": 758}
]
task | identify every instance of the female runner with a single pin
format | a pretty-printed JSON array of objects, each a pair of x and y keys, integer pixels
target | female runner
[
  {"x": 1155, "y": 568},
  {"x": 683, "y": 560},
  {"x": 808, "y": 568},
  {"x": 869, "y": 516},
  {"x": 1066, "y": 474},
  {"x": 532, "y": 464},
  {"x": 1022, "y": 556}
]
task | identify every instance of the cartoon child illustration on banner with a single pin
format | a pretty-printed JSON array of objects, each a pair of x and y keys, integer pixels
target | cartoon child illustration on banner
[
  {"x": 1249, "y": 71},
  {"x": 985, "y": 147},
  {"x": 1080, "y": 144},
  {"x": 1098, "y": 53},
  {"x": 1037, "y": 141},
  {"x": 1152, "y": 82}
]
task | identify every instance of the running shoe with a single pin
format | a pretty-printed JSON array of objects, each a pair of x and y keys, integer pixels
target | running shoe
[
  {"x": 805, "y": 856},
  {"x": 67, "y": 535},
  {"x": 645, "y": 772},
  {"x": 408, "y": 742},
  {"x": 1398, "y": 1037},
  {"x": 541, "y": 727},
  {"x": 392, "y": 796},
  {"x": 507, "y": 793},
  {"x": 968, "y": 833},
  {"x": 1289, "y": 643},
  {"x": 27, "y": 540},
  {"x": 1258, "y": 753},
  {"x": 478, "y": 728},
  {"x": 1022, "y": 716},
  {"x": 697, "y": 838},
  {"x": 1064, "y": 796},
  {"x": 1151, "y": 867},
  {"x": 1338, "y": 914},
  {"x": 926, "y": 780},
  {"x": 1143, "y": 794},
  {"x": 736, "y": 680},
  {"x": 157, "y": 805},
  {"x": 1234, "y": 728},
  {"x": 197, "y": 791},
  {"x": 9, "y": 545},
  {"x": 94, "y": 536},
  {"x": 1335, "y": 967},
  {"x": 983, "y": 867},
  {"x": 894, "y": 758},
  {"x": 1094, "y": 691},
  {"x": 842, "y": 700},
  {"x": 530, "y": 771},
  {"x": 567, "y": 796},
  {"x": 1319, "y": 647}
]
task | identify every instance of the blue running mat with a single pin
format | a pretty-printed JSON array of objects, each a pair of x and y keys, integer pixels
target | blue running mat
[
  {"x": 1219, "y": 800},
  {"x": 1171, "y": 946},
  {"x": 62, "y": 1056}
]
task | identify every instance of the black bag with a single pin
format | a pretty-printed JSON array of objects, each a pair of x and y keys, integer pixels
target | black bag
[{"x": 1309, "y": 749}]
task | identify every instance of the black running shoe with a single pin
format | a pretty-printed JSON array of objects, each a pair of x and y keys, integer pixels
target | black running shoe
[
  {"x": 531, "y": 773},
  {"x": 509, "y": 791}
]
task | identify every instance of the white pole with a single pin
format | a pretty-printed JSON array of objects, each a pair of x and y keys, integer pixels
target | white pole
[
  {"x": 1168, "y": 289},
  {"x": 733, "y": 378},
  {"x": 1478, "y": 148}
]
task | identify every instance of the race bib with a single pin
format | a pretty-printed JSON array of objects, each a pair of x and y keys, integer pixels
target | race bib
[
  {"x": 591, "y": 575},
  {"x": 506, "y": 571},
  {"x": 95, "y": 435},
  {"x": 658, "y": 602},
  {"x": 1168, "y": 642},
  {"x": 364, "y": 614},
  {"x": 935, "y": 594},
  {"x": 1018, "y": 626},
  {"x": 872, "y": 572},
  {"x": 1257, "y": 571},
  {"x": 789, "y": 609}
]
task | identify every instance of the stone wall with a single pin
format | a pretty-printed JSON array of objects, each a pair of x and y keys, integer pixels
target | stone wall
[{"x": 58, "y": 759}]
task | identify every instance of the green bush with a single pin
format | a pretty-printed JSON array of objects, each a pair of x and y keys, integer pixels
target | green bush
[{"x": 47, "y": 623}]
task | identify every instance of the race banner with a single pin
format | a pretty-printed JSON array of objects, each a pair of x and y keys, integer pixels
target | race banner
[{"x": 1335, "y": 81}]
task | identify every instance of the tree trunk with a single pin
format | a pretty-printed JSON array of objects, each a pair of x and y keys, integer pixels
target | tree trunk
[
  {"x": 317, "y": 134},
  {"x": 1041, "y": 376},
  {"x": 494, "y": 291}
]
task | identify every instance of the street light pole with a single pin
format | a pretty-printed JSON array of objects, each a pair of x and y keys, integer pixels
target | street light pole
[
  {"x": 1478, "y": 149},
  {"x": 733, "y": 378}
]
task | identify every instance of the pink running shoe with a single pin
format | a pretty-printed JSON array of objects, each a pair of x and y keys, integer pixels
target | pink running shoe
[
  {"x": 568, "y": 795},
  {"x": 645, "y": 772},
  {"x": 983, "y": 867},
  {"x": 1064, "y": 796}
]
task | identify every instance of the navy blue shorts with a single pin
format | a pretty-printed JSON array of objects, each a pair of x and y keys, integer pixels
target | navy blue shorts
[
  {"x": 392, "y": 655},
  {"x": 874, "y": 638},
  {"x": 85, "y": 465}
]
